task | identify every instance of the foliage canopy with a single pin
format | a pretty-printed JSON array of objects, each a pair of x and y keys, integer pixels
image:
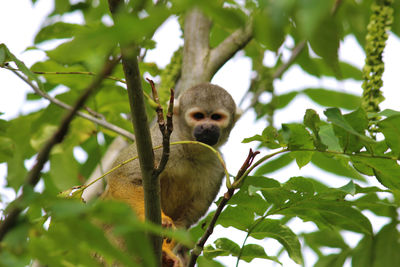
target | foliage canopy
[{"x": 354, "y": 140}]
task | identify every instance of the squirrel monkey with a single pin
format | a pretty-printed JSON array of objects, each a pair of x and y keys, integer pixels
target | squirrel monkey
[{"x": 193, "y": 174}]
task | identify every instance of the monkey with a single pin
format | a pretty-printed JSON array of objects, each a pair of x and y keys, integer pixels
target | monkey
[{"x": 193, "y": 174}]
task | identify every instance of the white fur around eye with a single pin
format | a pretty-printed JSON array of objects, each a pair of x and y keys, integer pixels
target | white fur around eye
[
  {"x": 225, "y": 118},
  {"x": 189, "y": 118}
]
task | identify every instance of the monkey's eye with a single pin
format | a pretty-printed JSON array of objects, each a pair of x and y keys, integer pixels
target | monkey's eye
[
  {"x": 216, "y": 117},
  {"x": 198, "y": 116}
]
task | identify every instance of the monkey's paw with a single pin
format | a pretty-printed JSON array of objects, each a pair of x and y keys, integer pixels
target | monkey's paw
[
  {"x": 170, "y": 260},
  {"x": 167, "y": 222}
]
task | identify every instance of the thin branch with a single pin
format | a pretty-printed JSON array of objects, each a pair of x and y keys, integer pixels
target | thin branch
[
  {"x": 195, "y": 253},
  {"x": 335, "y": 7},
  {"x": 53, "y": 100},
  {"x": 165, "y": 128},
  {"x": 228, "y": 48},
  {"x": 33, "y": 176},
  {"x": 279, "y": 71},
  {"x": 295, "y": 53},
  {"x": 78, "y": 73}
]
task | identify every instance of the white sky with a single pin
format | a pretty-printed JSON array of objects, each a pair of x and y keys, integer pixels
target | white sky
[{"x": 20, "y": 22}]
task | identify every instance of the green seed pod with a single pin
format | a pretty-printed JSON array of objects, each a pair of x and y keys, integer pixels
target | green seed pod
[{"x": 379, "y": 24}]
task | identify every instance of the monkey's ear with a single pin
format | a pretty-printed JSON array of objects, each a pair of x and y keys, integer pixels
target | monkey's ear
[
  {"x": 176, "y": 106},
  {"x": 238, "y": 114}
]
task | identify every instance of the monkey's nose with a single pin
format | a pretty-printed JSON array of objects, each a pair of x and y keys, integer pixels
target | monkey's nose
[{"x": 207, "y": 134}]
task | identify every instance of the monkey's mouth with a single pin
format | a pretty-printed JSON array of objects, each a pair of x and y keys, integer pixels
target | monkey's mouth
[{"x": 207, "y": 134}]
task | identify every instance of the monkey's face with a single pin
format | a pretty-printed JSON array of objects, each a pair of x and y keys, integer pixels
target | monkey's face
[
  {"x": 206, "y": 113},
  {"x": 207, "y": 125}
]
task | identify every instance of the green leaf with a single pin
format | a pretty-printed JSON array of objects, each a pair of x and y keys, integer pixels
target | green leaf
[
  {"x": 353, "y": 124},
  {"x": 389, "y": 113},
  {"x": 226, "y": 247},
  {"x": 325, "y": 42},
  {"x": 387, "y": 171},
  {"x": 18, "y": 130},
  {"x": 204, "y": 262},
  {"x": 229, "y": 217},
  {"x": 311, "y": 13},
  {"x": 312, "y": 121},
  {"x": 298, "y": 138},
  {"x": 230, "y": 18},
  {"x": 331, "y": 98},
  {"x": 337, "y": 165},
  {"x": 362, "y": 253},
  {"x": 58, "y": 30},
  {"x": 253, "y": 202},
  {"x": 330, "y": 213},
  {"x": 349, "y": 71},
  {"x": 332, "y": 260},
  {"x": 390, "y": 127},
  {"x": 274, "y": 165},
  {"x": 6, "y": 55},
  {"x": 266, "y": 31},
  {"x": 376, "y": 205},
  {"x": 269, "y": 138},
  {"x": 64, "y": 169},
  {"x": 274, "y": 195},
  {"x": 42, "y": 136},
  {"x": 325, "y": 238},
  {"x": 281, "y": 101},
  {"x": 387, "y": 246},
  {"x": 300, "y": 185},
  {"x": 349, "y": 188},
  {"x": 302, "y": 157},
  {"x": 254, "y": 251},
  {"x": 6, "y": 148},
  {"x": 274, "y": 229},
  {"x": 328, "y": 138}
]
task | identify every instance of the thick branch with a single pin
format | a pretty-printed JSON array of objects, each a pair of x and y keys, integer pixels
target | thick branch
[
  {"x": 89, "y": 117},
  {"x": 195, "y": 50},
  {"x": 200, "y": 63},
  {"x": 228, "y": 48},
  {"x": 34, "y": 174},
  {"x": 151, "y": 183}
]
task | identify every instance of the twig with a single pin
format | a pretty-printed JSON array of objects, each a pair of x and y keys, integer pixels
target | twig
[
  {"x": 78, "y": 72},
  {"x": 53, "y": 100},
  {"x": 336, "y": 6},
  {"x": 34, "y": 174},
  {"x": 295, "y": 53},
  {"x": 195, "y": 253},
  {"x": 165, "y": 128}
]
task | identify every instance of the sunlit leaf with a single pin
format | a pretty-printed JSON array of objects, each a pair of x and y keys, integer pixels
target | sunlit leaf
[
  {"x": 390, "y": 127},
  {"x": 331, "y": 98},
  {"x": 274, "y": 229}
]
